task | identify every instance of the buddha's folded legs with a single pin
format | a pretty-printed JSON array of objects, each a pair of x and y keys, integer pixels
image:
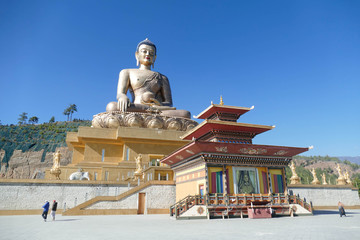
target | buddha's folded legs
[{"x": 164, "y": 111}]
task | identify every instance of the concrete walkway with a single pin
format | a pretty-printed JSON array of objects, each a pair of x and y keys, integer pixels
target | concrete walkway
[{"x": 323, "y": 225}]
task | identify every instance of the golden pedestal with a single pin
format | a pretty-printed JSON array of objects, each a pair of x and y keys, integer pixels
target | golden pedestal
[
  {"x": 56, "y": 173},
  {"x": 340, "y": 181},
  {"x": 295, "y": 180},
  {"x": 109, "y": 154}
]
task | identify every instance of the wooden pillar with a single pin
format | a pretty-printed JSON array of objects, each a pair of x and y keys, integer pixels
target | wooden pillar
[
  {"x": 206, "y": 179},
  {"x": 224, "y": 180},
  {"x": 284, "y": 180},
  {"x": 269, "y": 180}
]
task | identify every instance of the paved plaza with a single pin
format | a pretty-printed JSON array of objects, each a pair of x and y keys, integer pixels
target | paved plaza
[{"x": 323, "y": 225}]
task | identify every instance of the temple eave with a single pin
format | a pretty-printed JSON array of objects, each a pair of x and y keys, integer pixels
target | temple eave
[
  {"x": 209, "y": 125},
  {"x": 223, "y": 108},
  {"x": 226, "y": 150}
]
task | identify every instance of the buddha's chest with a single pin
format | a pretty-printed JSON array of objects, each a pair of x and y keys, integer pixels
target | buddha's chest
[{"x": 146, "y": 80}]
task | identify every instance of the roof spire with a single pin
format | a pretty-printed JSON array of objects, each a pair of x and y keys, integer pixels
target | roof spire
[{"x": 221, "y": 100}]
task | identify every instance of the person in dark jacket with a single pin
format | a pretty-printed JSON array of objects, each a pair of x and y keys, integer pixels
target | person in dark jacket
[
  {"x": 46, "y": 210},
  {"x": 341, "y": 209},
  {"x": 53, "y": 209}
]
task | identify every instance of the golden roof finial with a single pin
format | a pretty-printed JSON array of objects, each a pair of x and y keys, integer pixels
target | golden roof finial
[{"x": 221, "y": 100}]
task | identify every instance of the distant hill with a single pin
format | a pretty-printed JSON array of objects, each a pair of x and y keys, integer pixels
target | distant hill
[
  {"x": 323, "y": 164},
  {"x": 28, "y": 148},
  {"x": 351, "y": 159}
]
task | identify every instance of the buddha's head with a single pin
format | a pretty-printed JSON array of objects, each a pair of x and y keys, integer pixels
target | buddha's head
[{"x": 146, "y": 53}]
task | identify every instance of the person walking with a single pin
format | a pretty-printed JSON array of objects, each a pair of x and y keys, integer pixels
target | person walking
[
  {"x": 46, "y": 210},
  {"x": 53, "y": 210},
  {"x": 341, "y": 209}
]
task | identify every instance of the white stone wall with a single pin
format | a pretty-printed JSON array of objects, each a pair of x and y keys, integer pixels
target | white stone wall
[
  {"x": 29, "y": 196},
  {"x": 328, "y": 196},
  {"x": 156, "y": 197}
]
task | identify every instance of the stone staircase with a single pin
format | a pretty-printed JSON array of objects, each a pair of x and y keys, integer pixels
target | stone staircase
[{"x": 81, "y": 209}]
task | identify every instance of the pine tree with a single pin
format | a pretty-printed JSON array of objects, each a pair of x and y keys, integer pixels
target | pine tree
[
  {"x": 72, "y": 109},
  {"x": 52, "y": 119},
  {"x": 67, "y": 113},
  {"x": 22, "y": 119},
  {"x": 33, "y": 120}
]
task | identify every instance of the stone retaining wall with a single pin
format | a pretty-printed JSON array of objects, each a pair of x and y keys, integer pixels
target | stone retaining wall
[
  {"x": 28, "y": 195},
  {"x": 327, "y": 195}
]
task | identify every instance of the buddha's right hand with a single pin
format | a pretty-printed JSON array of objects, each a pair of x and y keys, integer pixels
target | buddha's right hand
[{"x": 123, "y": 103}]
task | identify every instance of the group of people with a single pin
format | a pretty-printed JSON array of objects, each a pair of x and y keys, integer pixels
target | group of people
[{"x": 46, "y": 210}]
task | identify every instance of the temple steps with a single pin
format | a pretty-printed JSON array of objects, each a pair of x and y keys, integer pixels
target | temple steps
[{"x": 81, "y": 208}]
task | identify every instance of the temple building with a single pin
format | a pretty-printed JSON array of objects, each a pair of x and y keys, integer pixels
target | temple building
[
  {"x": 147, "y": 142},
  {"x": 223, "y": 166},
  {"x": 145, "y": 156}
]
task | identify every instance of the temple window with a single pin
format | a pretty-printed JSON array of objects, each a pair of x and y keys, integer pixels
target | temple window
[
  {"x": 102, "y": 154},
  {"x": 127, "y": 154},
  {"x": 155, "y": 160}
]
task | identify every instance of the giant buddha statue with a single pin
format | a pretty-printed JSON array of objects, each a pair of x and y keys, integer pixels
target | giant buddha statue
[
  {"x": 151, "y": 104},
  {"x": 149, "y": 90}
]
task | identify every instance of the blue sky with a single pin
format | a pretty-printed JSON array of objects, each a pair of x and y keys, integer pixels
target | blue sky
[{"x": 297, "y": 62}]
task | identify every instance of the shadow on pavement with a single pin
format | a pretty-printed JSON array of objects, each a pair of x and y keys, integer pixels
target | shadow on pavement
[
  {"x": 331, "y": 212},
  {"x": 66, "y": 220},
  {"x": 325, "y": 212}
]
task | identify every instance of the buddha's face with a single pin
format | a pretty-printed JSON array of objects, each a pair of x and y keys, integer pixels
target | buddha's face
[{"x": 146, "y": 55}]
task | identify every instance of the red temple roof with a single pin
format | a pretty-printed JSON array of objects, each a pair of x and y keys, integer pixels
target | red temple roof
[
  {"x": 198, "y": 147},
  {"x": 209, "y": 125},
  {"x": 214, "y": 108}
]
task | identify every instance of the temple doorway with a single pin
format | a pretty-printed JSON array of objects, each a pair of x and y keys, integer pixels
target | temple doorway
[{"x": 141, "y": 205}]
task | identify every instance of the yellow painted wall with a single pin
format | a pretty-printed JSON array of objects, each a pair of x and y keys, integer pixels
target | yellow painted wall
[
  {"x": 189, "y": 180},
  {"x": 151, "y": 148},
  {"x": 189, "y": 170},
  {"x": 113, "y": 153},
  {"x": 93, "y": 152},
  {"x": 188, "y": 188},
  {"x": 78, "y": 154}
]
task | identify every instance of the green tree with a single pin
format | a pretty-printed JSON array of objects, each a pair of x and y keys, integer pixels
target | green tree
[
  {"x": 33, "y": 120},
  {"x": 22, "y": 119},
  {"x": 356, "y": 181},
  {"x": 52, "y": 119},
  {"x": 67, "y": 113},
  {"x": 72, "y": 109}
]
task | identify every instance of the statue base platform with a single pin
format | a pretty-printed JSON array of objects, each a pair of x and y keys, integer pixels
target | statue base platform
[
  {"x": 138, "y": 175},
  {"x": 315, "y": 182},
  {"x": 340, "y": 181},
  {"x": 117, "y": 119},
  {"x": 56, "y": 172},
  {"x": 295, "y": 180}
]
